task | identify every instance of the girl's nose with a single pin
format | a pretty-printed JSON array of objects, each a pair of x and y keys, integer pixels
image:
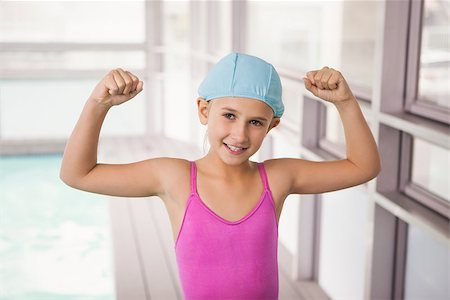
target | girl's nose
[{"x": 239, "y": 133}]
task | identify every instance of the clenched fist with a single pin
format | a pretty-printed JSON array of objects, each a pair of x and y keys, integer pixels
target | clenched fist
[
  {"x": 117, "y": 87},
  {"x": 328, "y": 84}
]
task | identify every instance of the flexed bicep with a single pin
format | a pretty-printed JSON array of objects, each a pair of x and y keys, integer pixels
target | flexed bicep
[{"x": 315, "y": 177}]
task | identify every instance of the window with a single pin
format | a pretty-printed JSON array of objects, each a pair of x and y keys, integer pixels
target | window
[
  {"x": 429, "y": 61},
  {"x": 427, "y": 272},
  {"x": 75, "y": 22},
  {"x": 429, "y": 176},
  {"x": 430, "y": 168},
  {"x": 52, "y": 54},
  {"x": 434, "y": 75},
  {"x": 309, "y": 35}
]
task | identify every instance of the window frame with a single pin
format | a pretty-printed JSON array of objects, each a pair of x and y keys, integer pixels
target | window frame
[{"x": 412, "y": 100}]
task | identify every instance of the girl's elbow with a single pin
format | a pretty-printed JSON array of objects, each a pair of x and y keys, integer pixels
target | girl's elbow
[
  {"x": 68, "y": 181},
  {"x": 375, "y": 172}
]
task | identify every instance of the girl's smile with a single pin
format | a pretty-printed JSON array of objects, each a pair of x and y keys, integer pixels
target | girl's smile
[{"x": 234, "y": 150}]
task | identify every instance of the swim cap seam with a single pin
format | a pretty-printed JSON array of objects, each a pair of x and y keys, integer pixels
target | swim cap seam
[
  {"x": 270, "y": 78},
  {"x": 234, "y": 73},
  {"x": 268, "y": 87}
]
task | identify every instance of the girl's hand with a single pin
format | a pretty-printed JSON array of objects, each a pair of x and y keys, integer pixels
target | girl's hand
[
  {"x": 328, "y": 84},
  {"x": 117, "y": 87}
]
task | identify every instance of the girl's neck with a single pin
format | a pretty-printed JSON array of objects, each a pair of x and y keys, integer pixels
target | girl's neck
[{"x": 214, "y": 167}]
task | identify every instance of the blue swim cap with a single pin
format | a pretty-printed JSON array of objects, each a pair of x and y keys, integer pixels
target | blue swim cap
[{"x": 243, "y": 75}]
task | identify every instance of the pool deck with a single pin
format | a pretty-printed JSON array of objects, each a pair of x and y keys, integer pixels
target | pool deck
[{"x": 144, "y": 255}]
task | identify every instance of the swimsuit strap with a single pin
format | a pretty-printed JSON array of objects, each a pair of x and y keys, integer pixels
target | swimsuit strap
[
  {"x": 193, "y": 178},
  {"x": 262, "y": 171}
]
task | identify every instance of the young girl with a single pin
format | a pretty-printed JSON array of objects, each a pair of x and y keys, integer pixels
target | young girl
[{"x": 224, "y": 208}]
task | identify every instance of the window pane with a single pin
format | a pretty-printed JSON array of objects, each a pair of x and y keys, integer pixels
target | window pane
[
  {"x": 334, "y": 129},
  {"x": 221, "y": 39},
  {"x": 71, "y": 60},
  {"x": 176, "y": 24},
  {"x": 77, "y": 21},
  {"x": 308, "y": 35},
  {"x": 430, "y": 168},
  {"x": 343, "y": 240},
  {"x": 427, "y": 267},
  {"x": 178, "y": 100},
  {"x": 42, "y": 109},
  {"x": 291, "y": 95},
  {"x": 434, "y": 75}
]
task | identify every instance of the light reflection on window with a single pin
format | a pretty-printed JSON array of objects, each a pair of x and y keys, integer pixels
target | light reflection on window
[
  {"x": 434, "y": 75},
  {"x": 72, "y": 21},
  {"x": 308, "y": 35},
  {"x": 430, "y": 168},
  {"x": 334, "y": 128}
]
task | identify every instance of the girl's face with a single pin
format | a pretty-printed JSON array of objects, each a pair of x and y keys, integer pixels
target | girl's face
[{"x": 236, "y": 126}]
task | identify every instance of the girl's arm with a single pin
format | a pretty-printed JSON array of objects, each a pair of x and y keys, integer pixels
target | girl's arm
[
  {"x": 362, "y": 150},
  {"x": 80, "y": 154},
  {"x": 329, "y": 85},
  {"x": 79, "y": 168},
  {"x": 363, "y": 160}
]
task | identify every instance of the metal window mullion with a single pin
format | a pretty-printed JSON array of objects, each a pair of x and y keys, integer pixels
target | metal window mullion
[
  {"x": 413, "y": 58},
  {"x": 51, "y": 47},
  {"x": 424, "y": 129},
  {"x": 153, "y": 68},
  {"x": 211, "y": 29},
  {"x": 434, "y": 112},
  {"x": 239, "y": 28},
  {"x": 400, "y": 250},
  {"x": 427, "y": 198},
  {"x": 26, "y": 74},
  {"x": 387, "y": 95}
]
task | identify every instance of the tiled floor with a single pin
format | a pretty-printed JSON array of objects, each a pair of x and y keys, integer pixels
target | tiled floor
[{"x": 145, "y": 263}]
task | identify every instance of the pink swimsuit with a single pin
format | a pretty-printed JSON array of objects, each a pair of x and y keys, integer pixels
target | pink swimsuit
[{"x": 218, "y": 259}]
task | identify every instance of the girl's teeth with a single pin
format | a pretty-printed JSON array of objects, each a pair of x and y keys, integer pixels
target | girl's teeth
[{"x": 234, "y": 148}]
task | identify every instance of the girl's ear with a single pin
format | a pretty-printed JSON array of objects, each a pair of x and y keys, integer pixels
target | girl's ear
[
  {"x": 273, "y": 124},
  {"x": 203, "y": 110}
]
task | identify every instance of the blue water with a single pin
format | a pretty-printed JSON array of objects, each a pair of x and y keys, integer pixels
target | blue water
[{"x": 55, "y": 241}]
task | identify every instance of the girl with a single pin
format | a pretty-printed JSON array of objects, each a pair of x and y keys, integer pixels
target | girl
[{"x": 224, "y": 208}]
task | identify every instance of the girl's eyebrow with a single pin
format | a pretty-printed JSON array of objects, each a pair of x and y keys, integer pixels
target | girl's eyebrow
[{"x": 235, "y": 111}]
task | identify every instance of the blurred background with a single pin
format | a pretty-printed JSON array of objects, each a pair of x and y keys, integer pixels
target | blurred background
[{"x": 386, "y": 239}]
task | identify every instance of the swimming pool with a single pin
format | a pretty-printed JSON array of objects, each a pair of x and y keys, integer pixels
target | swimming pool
[{"x": 55, "y": 241}]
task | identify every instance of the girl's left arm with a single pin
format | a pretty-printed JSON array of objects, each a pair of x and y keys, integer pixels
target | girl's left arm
[
  {"x": 329, "y": 85},
  {"x": 361, "y": 148},
  {"x": 363, "y": 160}
]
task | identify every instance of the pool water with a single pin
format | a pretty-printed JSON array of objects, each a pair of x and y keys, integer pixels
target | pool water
[{"x": 55, "y": 241}]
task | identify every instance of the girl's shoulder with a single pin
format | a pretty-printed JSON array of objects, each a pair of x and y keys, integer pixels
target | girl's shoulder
[
  {"x": 277, "y": 175},
  {"x": 173, "y": 172},
  {"x": 175, "y": 167}
]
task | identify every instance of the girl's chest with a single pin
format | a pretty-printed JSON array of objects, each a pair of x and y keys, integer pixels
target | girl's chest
[{"x": 231, "y": 204}]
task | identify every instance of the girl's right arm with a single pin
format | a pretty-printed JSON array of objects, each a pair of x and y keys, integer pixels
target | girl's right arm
[{"x": 79, "y": 168}]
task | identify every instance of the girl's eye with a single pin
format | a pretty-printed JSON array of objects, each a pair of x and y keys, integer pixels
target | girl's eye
[{"x": 258, "y": 123}]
